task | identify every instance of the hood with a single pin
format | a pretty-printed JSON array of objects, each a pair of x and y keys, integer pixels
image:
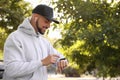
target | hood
[{"x": 27, "y": 28}]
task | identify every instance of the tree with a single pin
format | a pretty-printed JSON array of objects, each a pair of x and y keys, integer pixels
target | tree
[
  {"x": 91, "y": 34},
  {"x": 12, "y": 13}
]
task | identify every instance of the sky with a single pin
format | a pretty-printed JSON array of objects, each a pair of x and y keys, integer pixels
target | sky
[
  {"x": 36, "y": 2},
  {"x": 56, "y": 32}
]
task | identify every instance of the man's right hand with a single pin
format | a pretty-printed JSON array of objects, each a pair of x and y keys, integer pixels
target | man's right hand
[{"x": 50, "y": 59}]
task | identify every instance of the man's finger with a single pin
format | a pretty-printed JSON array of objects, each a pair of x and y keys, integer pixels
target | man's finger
[{"x": 55, "y": 55}]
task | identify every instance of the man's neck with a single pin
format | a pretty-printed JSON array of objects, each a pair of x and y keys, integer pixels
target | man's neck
[{"x": 33, "y": 24}]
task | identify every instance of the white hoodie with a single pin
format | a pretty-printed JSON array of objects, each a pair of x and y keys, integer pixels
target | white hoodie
[{"x": 23, "y": 52}]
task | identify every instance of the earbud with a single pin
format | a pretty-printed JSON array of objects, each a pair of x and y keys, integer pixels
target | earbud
[{"x": 36, "y": 19}]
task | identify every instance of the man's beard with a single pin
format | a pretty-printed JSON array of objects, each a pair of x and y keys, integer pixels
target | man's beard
[{"x": 39, "y": 30}]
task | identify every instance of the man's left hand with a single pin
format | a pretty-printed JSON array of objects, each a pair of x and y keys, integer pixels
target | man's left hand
[{"x": 63, "y": 63}]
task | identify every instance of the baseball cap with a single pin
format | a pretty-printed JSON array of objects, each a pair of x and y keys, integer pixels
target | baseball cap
[{"x": 45, "y": 11}]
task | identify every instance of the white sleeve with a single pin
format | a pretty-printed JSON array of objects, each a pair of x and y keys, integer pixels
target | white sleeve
[
  {"x": 15, "y": 65},
  {"x": 54, "y": 51}
]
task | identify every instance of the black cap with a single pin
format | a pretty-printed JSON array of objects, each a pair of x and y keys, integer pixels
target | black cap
[{"x": 45, "y": 11}]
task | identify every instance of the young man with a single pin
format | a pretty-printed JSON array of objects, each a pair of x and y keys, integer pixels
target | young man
[{"x": 27, "y": 52}]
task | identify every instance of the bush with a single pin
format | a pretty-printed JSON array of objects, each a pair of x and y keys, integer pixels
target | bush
[{"x": 71, "y": 72}]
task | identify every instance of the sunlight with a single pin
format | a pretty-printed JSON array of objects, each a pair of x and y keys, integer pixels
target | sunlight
[{"x": 36, "y": 2}]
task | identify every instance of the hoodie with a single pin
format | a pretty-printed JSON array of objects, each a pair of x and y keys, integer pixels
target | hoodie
[{"x": 23, "y": 52}]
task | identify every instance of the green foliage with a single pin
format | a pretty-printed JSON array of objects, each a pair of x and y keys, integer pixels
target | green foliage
[
  {"x": 1, "y": 55},
  {"x": 3, "y": 36},
  {"x": 71, "y": 72},
  {"x": 12, "y": 12},
  {"x": 91, "y": 34}
]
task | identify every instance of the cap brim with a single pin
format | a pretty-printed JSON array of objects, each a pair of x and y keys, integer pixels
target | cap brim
[
  {"x": 55, "y": 21},
  {"x": 52, "y": 20}
]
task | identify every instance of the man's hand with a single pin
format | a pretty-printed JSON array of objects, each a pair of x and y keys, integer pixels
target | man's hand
[
  {"x": 62, "y": 64},
  {"x": 50, "y": 59}
]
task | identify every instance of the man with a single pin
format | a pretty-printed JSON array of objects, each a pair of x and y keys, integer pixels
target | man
[{"x": 27, "y": 52}]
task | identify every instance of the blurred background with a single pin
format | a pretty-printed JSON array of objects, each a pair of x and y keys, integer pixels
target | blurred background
[{"x": 88, "y": 35}]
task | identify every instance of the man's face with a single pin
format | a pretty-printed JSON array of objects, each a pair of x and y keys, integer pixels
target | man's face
[{"x": 42, "y": 24}]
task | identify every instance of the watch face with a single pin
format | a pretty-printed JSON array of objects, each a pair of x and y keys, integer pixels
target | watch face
[{"x": 62, "y": 58}]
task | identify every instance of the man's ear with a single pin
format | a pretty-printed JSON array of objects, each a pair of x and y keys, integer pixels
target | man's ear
[{"x": 35, "y": 18}]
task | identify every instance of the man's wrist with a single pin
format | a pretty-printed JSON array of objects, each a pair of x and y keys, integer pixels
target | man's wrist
[{"x": 42, "y": 63}]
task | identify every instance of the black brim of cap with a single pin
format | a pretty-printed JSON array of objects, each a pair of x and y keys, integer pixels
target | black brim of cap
[
  {"x": 55, "y": 21},
  {"x": 52, "y": 20}
]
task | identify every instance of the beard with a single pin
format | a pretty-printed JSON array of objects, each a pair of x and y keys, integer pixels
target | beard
[{"x": 39, "y": 29}]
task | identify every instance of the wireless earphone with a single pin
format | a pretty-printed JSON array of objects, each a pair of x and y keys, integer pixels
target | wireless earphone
[{"x": 36, "y": 19}]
